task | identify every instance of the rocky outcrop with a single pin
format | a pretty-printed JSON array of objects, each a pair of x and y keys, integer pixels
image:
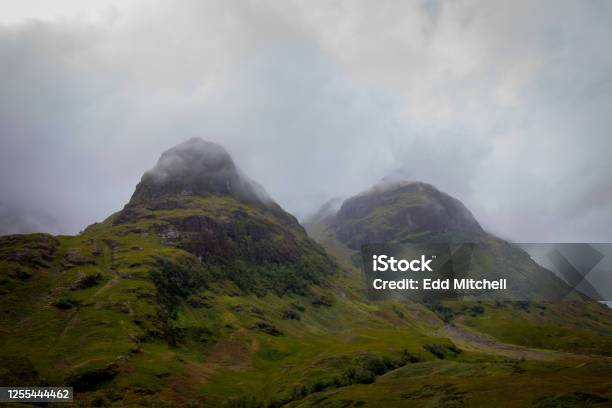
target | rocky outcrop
[
  {"x": 402, "y": 212},
  {"x": 34, "y": 250}
]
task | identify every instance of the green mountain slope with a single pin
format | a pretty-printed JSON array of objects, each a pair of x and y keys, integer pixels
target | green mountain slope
[
  {"x": 204, "y": 292},
  {"x": 393, "y": 213},
  {"x": 402, "y": 212}
]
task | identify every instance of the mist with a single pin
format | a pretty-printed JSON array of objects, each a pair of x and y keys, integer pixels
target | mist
[
  {"x": 503, "y": 105},
  {"x": 198, "y": 167}
]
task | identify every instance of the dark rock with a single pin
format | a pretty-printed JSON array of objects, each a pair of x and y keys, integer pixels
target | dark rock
[
  {"x": 168, "y": 233},
  {"x": 198, "y": 302},
  {"x": 322, "y": 301},
  {"x": 267, "y": 328},
  {"x": 22, "y": 273},
  {"x": 74, "y": 257},
  {"x": 248, "y": 309},
  {"x": 85, "y": 281},
  {"x": 65, "y": 303},
  {"x": 298, "y": 307},
  {"x": 112, "y": 244},
  {"x": 291, "y": 315},
  {"x": 92, "y": 379}
]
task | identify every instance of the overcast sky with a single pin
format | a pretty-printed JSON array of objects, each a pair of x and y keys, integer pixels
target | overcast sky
[{"x": 505, "y": 105}]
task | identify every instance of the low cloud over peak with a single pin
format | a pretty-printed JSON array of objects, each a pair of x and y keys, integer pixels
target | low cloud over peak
[{"x": 198, "y": 167}]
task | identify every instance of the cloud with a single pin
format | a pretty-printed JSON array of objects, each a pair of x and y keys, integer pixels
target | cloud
[
  {"x": 504, "y": 105},
  {"x": 198, "y": 167}
]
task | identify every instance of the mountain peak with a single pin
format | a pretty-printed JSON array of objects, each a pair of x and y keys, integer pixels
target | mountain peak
[
  {"x": 400, "y": 210},
  {"x": 388, "y": 183},
  {"x": 197, "y": 167}
]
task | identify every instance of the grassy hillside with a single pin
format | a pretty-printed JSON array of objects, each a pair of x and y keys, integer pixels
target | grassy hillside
[
  {"x": 211, "y": 300},
  {"x": 90, "y": 311},
  {"x": 515, "y": 354},
  {"x": 126, "y": 315}
]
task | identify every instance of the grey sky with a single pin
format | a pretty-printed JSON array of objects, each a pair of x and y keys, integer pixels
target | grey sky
[{"x": 505, "y": 105}]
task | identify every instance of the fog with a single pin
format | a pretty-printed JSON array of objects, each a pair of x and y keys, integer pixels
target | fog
[
  {"x": 504, "y": 105},
  {"x": 198, "y": 167}
]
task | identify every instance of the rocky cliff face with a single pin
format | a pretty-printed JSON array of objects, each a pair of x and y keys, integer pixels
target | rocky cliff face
[
  {"x": 196, "y": 199},
  {"x": 400, "y": 212}
]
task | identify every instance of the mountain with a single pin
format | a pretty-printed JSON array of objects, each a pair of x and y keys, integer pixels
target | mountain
[
  {"x": 396, "y": 212},
  {"x": 202, "y": 291},
  {"x": 196, "y": 199},
  {"x": 188, "y": 264},
  {"x": 198, "y": 168},
  {"x": 393, "y": 211},
  {"x": 327, "y": 211}
]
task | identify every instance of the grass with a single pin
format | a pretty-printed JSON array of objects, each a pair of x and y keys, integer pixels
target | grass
[
  {"x": 572, "y": 327},
  {"x": 477, "y": 381},
  {"x": 221, "y": 353}
]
